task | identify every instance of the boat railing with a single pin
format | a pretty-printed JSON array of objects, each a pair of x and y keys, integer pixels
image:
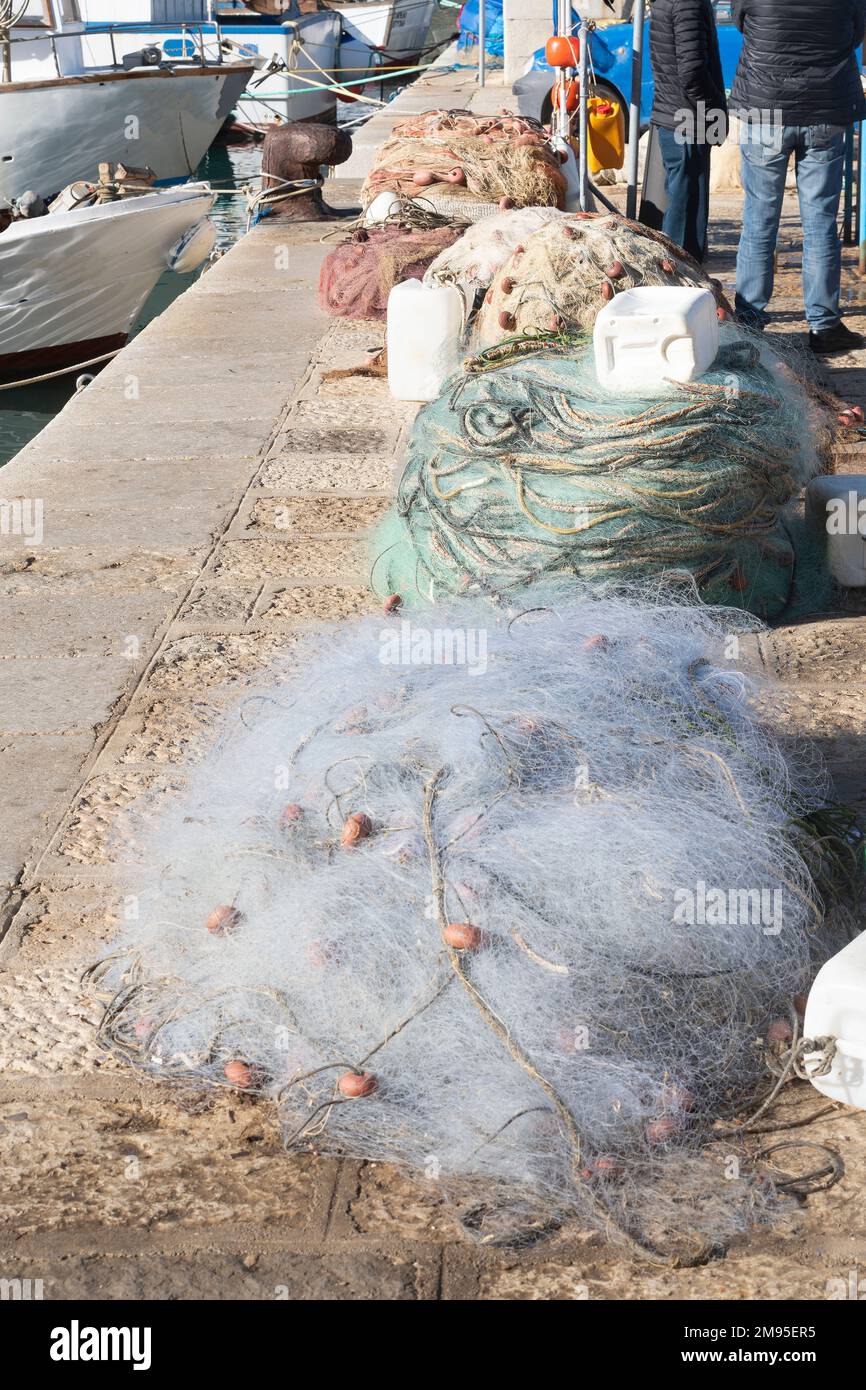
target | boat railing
[{"x": 194, "y": 39}]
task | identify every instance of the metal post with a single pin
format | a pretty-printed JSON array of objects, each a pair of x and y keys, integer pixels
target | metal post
[
  {"x": 634, "y": 109},
  {"x": 482, "y": 42},
  {"x": 583, "y": 95},
  {"x": 848, "y": 206},
  {"x": 861, "y": 192},
  {"x": 561, "y": 124}
]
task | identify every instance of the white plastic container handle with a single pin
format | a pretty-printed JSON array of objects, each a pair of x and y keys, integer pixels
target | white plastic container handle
[{"x": 651, "y": 335}]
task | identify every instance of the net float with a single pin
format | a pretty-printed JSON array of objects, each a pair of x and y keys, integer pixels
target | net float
[
  {"x": 607, "y": 290},
  {"x": 223, "y": 919},
  {"x": 562, "y": 51},
  {"x": 662, "y": 1130},
  {"x": 739, "y": 581},
  {"x": 668, "y": 267},
  {"x": 721, "y": 314},
  {"x": 507, "y": 320},
  {"x": 358, "y": 827},
  {"x": 606, "y": 1169},
  {"x": 456, "y": 176},
  {"x": 800, "y": 1001},
  {"x": 356, "y": 1084},
  {"x": 673, "y": 1098},
  {"x": 462, "y": 936},
  {"x": 240, "y": 1074},
  {"x": 572, "y": 99},
  {"x": 488, "y": 298},
  {"x": 598, "y": 642},
  {"x": 779, "y": 1031},
  {"x": 508, "y": 285},
  {"x": 291, "y": 814},
  {"x": 423, "y": 178},
  {"x": 392, "y": 603},
  {"x": 506, "y": 203},
  {"x": 616, "y": 272}
]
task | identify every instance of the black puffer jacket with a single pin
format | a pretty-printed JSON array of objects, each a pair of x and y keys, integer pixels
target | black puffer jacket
[
  {"x": 799, "y": 58},
  {"x": 687, "y": 68}
]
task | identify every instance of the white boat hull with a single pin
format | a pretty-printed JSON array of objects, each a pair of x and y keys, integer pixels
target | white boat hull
[
  {"x": 382, "y": 35},
  {"x": 299, "y": 94},
  {"x": 73, "y": 284},
  {"x": 56, "y": 131}
]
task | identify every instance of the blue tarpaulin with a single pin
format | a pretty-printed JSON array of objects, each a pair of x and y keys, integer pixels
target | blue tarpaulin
[
  {"x": 494, "y": 39},
  {"x": 494, "y": 44}
]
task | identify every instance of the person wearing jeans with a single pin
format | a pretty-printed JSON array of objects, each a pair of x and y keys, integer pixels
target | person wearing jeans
[
  {"x": 689, "y": 113},
  {"x": 796, "y": 91}
]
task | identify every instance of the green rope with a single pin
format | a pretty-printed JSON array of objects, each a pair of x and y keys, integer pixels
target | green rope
[{"x": 526, "y": 468}]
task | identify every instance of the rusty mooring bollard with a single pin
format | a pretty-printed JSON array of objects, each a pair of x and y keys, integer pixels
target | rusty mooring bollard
[{"x": 296, "y": 153}]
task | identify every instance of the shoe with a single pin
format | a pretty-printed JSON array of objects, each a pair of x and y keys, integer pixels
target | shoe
[
  {"x": 839, "y": 338},
  {"x": 750, "y": 322}
]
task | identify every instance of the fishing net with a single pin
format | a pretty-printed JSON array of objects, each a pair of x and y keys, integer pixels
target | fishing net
[
  {"x": 359, "y": 274},
  {"x": 563, "y": 273},
  {"x": 476, "y": 158},
  {"x": 510, "y": 900},
  {"x": 526, "y": 467},
  {"x": 482, "y": 251}
]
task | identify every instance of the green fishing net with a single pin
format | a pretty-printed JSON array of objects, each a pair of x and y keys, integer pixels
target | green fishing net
[{"x": 526, "y": 468}]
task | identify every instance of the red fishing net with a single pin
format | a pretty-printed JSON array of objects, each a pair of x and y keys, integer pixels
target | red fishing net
[{"x": 359, "y": 274}]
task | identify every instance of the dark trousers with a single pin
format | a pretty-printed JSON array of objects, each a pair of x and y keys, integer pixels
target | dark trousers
[{"x": 687, "y": 184}]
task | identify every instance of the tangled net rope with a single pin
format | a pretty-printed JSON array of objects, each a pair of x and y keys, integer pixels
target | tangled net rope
[
  {"x": 472, "y": 158},
  {"x": 442, "y": 899},
  {"x": 525, "y": 467},
  {"x": 359, "y": 274},
  {"x": 485, "y": 246},
  {"x": 563, "y": 273}
]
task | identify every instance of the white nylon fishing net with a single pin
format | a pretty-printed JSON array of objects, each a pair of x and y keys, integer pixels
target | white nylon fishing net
[
  {"x": 483, "y": 249},
  {"x": 508, "y": 897}
]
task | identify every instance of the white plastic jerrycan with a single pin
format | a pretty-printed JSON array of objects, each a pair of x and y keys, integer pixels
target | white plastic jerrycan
[
  {"x": 648, "y": 335},
  {"x": 836, "y": 510},
  {"x": 425, "y": 332},
  {"x": 836, "y": 1009}
]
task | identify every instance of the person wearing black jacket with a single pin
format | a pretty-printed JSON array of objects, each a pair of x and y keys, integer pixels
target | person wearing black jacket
[
  {"x": 796, "y": 90},
  {"x": 689, "y": 113}
]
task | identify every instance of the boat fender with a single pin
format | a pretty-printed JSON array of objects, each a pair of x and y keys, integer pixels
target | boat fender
[
  {"x": 194, "y": 247},
  {"x": 29, "y": 205}
]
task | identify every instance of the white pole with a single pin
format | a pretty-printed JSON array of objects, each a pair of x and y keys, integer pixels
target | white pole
[
  {"x": 634, "y": 109},
  {"x": 584, "y": 115},
  {"x": 562, "y": 121},
  {"x": 482, "y": 42}
]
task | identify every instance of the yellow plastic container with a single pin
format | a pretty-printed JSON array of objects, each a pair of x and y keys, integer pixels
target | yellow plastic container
[{"x": 606, "y": 135}]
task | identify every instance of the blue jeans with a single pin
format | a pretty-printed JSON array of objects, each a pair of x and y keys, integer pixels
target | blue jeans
[
  {"x": 819, "y": 154},
  {"x": 687, "y": 185}
]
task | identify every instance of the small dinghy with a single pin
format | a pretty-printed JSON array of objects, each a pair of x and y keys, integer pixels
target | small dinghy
[{"x": 74, "y": 276}]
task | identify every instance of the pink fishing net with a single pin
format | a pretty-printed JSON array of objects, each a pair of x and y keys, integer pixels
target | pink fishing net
[{"x": 357, "y": 277}]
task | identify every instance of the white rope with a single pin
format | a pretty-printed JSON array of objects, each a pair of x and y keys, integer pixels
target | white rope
[{"x": 63, "y": 371}]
